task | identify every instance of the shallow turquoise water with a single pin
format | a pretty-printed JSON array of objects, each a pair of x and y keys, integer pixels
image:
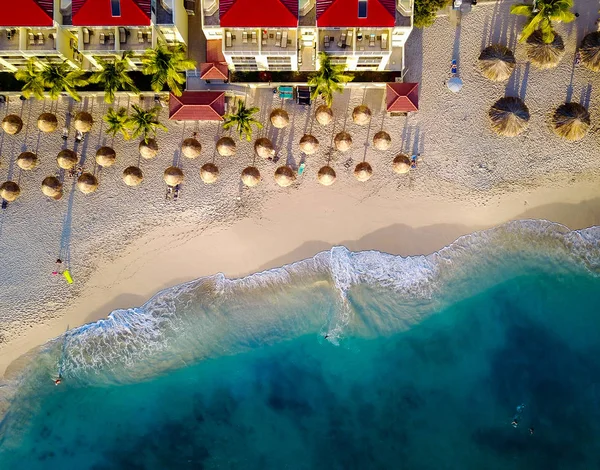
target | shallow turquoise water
[{"x": 425, "y": 363}]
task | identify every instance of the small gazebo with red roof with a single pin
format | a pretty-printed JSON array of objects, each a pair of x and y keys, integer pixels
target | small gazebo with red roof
[
  {"x": 215, "y": 67},
  {"x": 197, "y": 106},
  {"x": 402, "y": 97},
  {"x": 33, "y": 13}
]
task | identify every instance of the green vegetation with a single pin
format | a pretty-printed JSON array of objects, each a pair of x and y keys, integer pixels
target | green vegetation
[
  {"x": 426, "y": 10},
  {"x": 53, "y": 78},
  {"x": 114, "y": 76},
  {"x": 243, "y": 120},
  {"x": 144, "y": 123},
  {"x": 328, "y": 80},
  {"x": 540, "y": 19},
  {"x": 117, "y": 122},
  {"x": 166, "y": 65}
]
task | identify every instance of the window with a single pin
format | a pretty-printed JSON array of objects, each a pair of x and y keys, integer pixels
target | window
[
  {"x": 115, "y": 6},
  {"x": 362, "y": 8}
]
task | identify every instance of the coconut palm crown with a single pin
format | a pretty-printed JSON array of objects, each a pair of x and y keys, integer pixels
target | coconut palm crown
[
  {"x": 31, "y": 76},
  {"x": 117, "y": 122},
  {"x": 114, "y": 76},
  {"x": 144, "y": 123},
  {"x": 55, "y": 77},
  {"x": 328, "y": 80},
  {"x": 166, "y": 65},
  {"x": 242, "y": 120},
  {"x": 540, "y": 16}
]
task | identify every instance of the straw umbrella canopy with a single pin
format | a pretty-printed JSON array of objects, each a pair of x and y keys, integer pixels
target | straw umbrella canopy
[
  {"x": 226, "y": 147},
  {"x": 264, "y": 148},
  {"x": 361, "y": 115},
  {"x": 173, "y": 176},
  {"x": 67, "y": 159},
  {"x": 309, "y": 144},
  {"x": 47, "y": 122},
  {"x": 27, "y": 161},
  {"x": 509, "y": 116},
  {"x": 363, "y": 171},
  {"x": 401, "y": 164},
  {"x": 326, "y": 176},
  {"x": 148, "y": 150},
  {"x": 84, "y": 121},
  {"x": 132, "y": 176},
  {"x": 209, "y": 173},
  {"x": 52, "y": 187},
  {"x": 106, "y": 156},
  {"x": 251, "y": 176},
  {"x": 571, "y": 121},
  {"x": 343, "y": 141},
  {"x": 382, "y": 141},
  {"x": 12, "y": 124},
  {"x": 9, "y": 191},
  {"x": 590, "y": 51},
  {"x": 191, "y": 148},
  {"x": 324, "y": 115},
  {"x": 87, "y": 183},
  {"x": 279, "y": 118},
  {"x": 497, "y": 62},
  {"x": 284, "y": 176},
  {"x": 543, "y": 55}
]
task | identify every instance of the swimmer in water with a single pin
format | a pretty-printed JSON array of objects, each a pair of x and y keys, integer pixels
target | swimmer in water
[
  {"x": 531, "y": 430},
  {"x": 57, "y": 381},
  {"x": 514, "y": 423}
]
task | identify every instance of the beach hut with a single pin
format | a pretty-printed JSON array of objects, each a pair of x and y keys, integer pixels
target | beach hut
[
  {"x": 148, "y": 149},
  {"x": 571, "y": 121},
  {"x": 12, "y": 124},
  {"x": 324, "y": 115},
  {"x": 52, "y": 187},
  {"x": 173, "y": 176},
  {"x": 132, "y": 176},
  {"x": 343, "y": 141},
  {"x": 509, "y": 116},
  {"x": 250, "y": 176},
  {"x": 264, "y": 148},
  {"x": 209, "y": 173},
  {"x": 401, "y": 164},
  {"x": 191, "y": 148},
  {"x": 226, "y": 147},
  {"x": 309, "y": 144},
  {"x": 83, "y": 122},
  {"x": 326, "y": 176},
  {"x": 284, "y": 176},
  {"x": 382, "y": 140},
  {"x": 67, "y": 159},
  {"x": 454, "y": 84},
  {"x": 9, "y": 191},
  {"x": 590, "y": 51},
  {"x": 361, "y": 115},
  {"x": 279, "y": 118},
  {"x": 87, "y": 183},
  {"x": 27, "y": 161},
  {"x": 47, "y": 122},
  {"x": 497, "y": 62},
  {"x": 542, "y": 54},
  {"x": 106, "y": 156}
]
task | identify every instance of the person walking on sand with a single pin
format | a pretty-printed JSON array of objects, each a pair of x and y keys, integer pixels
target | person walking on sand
[{"x": 58, "y": 264}]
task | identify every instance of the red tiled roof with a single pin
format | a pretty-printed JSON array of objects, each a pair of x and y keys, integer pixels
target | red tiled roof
[
  {"x": 197, "y": 106},
  {"x": 214, "y": 71},
  {"x": 402, "y": 97},
  {"x": 99, "y": 13},
  {"x": 258, "y": 13},
  {"x": 28, "y": 13},
  {"x": 214, "y": 50},
  {"x": 344, "y": 13}
]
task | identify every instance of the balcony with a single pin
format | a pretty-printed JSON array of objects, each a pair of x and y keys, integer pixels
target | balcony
[
  {"x": 98, "y": 40},
  {"x": 337, "y": 42},
  {"x": 279, "y": 42},
  {"x": 373, "y": 41},
  {"x": 41, "y": 40},
  {"x": 9, "y": 40},
  {"x": 136, "y": 39},
  {"x": 116, "y": 39},
  {"x": 244, "y": 42}
]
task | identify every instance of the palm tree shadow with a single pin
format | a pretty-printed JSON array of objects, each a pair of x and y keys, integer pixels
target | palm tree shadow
[
  {"x": 65, "y": 237},
  {"x": 586, "y": 95}
]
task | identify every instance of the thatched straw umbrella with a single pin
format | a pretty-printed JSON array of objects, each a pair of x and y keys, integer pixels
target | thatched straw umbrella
[
  {"x": 284, "y": 176},
  {"x": 12, "y": 124},
  {"x": 401, "y": 164},
  {"x": 191, "y": 148},
  {"x": 148, "y": 150},
  {"x": 251, "y": 176},
  {"x": 264, "y": 148},
  {"x": 67, "y": 159},
  {"x": 9, "y": 191},
  {"x": 279, "y": 118},
  {"x": 326, "y": 176},
  {"x": 173, "y": 176},
  {"x": 309, "y": 144},
  {"x": 571, "y": 121},
  {"x": 382, "y": 141},
  {"x": 83, "y": 121},
  {"x": 497, "y": 62},
  {"x": 343, "y": 141},
  {"x": 361, "y": 115},
  {"x": 226, "y": 147},
  {"x": 209, "y": 173},
  {"x": 87, "y": 183},
  {"x": 27, "y": 161},
  {"x": 324, "y": 115},
  {"x": 132, "y": 176},
  {"x": 106, "y": 156},
  {"x": 543, "y": 55},
  {"x": 363, "y": 171},
  {"x": 590, "y": 51},
  {"x": 509, "y": 116},
  {"x": 52, "y": 187},
  {"x": 47, "y": 122}
]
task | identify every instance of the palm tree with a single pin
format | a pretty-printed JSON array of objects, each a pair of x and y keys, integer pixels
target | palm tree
[
  {"x": 540, "y": 16},
  {"x": 57, "y": 77},
  {"x": 117, "y": 122},
  {"x": 114, "y": 76},
  {"x": 242, "y": 120},
  {"x": 166, "y": 65},
  {"x": 144, "y": 123},
  {"x": 31, "y": 76},
  {"x": 328, "y": 79}
]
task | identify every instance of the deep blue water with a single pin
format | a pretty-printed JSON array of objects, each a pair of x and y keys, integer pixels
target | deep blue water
[{"x": 414, "y": 378}]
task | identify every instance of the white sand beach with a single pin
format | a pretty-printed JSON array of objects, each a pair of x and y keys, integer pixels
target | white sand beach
[{"x": 124, "y": 244}]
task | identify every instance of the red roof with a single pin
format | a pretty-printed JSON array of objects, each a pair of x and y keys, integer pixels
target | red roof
[
  {"x": 99, "y": 13},
  {"x": 28, "y": 13},
  {"x": 402, "y": 97},
  {"x": 344, "y": 13},
  {"x": 214, "y": 71},
  {"x": 197, "y": 106},
  {"x": 214, "y": 51},
  {"x": 259, "y": 13}
]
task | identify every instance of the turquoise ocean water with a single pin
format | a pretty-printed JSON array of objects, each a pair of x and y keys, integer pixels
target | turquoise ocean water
[{"x": 343, "y": 361}]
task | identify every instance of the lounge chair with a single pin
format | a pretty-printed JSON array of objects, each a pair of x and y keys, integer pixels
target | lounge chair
[
  {"x": 278, "y": 39},
  {"x": 140, "y": 37},
  {"x": 122, "y": 36},
  {"x": 86, "y": 36},
  {"x": 326, "y": 42},
  {"x": 384, "y": 41},
  {"x": 101, "y": 38},
  {"x": 41, "y": 39},
  {"x": 31, "y": 39},
  {"x": 349, "y": 39},
  {"x": 284, "y": 39},
  {"x": 111, "y": 38},
  {"x": 372, "y": 40},
  {"x": 342, "y": 41},
  {"x": 228, "y": 39},
  {"x": 254, "y": 37},
  {"x": 264, "y": 38},
  {"x": 245, "y": 37}
]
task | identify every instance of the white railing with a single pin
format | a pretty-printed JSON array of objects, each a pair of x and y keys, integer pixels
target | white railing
[{"x": 405, "y": 7}]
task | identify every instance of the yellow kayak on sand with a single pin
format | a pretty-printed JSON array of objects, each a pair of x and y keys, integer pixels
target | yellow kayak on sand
[{"x": 67, "y": 276}]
